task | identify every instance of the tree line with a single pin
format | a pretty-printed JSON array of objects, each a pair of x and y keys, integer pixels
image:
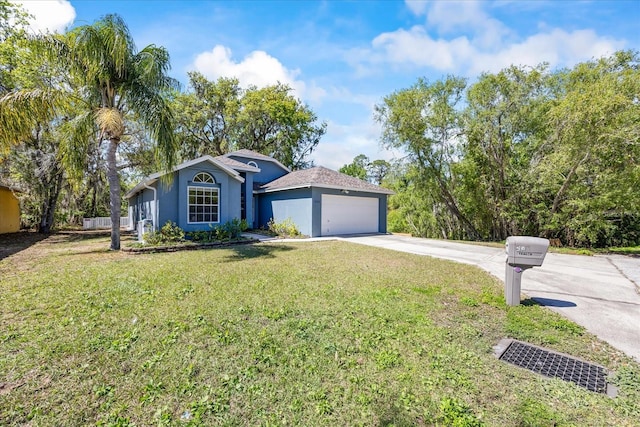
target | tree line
[
  {"x": 527, "y": 150},
  {"x": 84, "y": 115}
]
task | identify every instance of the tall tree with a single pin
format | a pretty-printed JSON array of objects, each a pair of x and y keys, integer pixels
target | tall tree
[
  {"x": 218, "y": 117},
  {"x": 504, "y": 125},
  {"x": 424, "y": 120},
  {"x": 274, "y": 122},
  {"x": 13, "y": 24},
  {"x": 367, "y": 170},
  {"x": 591, "y": 167},
  {"x": 33, "y": 165},
  {"x": 357, "y": 168},
  {"x": 206, "y": 116},
  {"x": 378, "y": 170},
  {"x": 114, "y": 79}
]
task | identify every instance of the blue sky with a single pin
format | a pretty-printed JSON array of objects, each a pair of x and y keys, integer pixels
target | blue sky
[{"x": 342, "y": 58}]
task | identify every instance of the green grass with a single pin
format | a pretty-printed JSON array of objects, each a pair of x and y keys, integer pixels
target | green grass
[
  {"x": 631, "y": 250},
  {"x": 324, "y": 333}
]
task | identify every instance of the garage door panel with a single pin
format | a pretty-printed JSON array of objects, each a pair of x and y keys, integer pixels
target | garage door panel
[{"x": 349, "y": 215}]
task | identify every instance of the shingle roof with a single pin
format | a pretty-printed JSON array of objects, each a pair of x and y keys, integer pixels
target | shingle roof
[
  {"x": 248, "y": 154},
  {"x": 236, "y": 164},
  {"x": 217, "y": 161},
  {"x": 322, "y": 177}
]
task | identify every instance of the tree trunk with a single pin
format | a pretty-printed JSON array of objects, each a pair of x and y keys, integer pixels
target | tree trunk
[
  {"x": 451, "y": 204},
  {"x": 49, "y": 204},
  {"x": 114, "y": 193},
  {"x": 565, "y": 185}
]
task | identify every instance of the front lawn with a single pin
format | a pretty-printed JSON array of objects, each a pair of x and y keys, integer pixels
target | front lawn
[{"x": 324, "y": 333}]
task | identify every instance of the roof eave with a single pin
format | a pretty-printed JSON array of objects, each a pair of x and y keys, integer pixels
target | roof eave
[
  {"x": 327, "y": 186},
  {"x": 151, "y": 179},
  {"x": 141, "y": 186},
  {"x": 266, "y": 159}
]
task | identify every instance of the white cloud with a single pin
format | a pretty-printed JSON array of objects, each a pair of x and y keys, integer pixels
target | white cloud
[
  {"x": 418, "y": 7},
  {"x": 416, "y": 47},
  {"x": 470, "y": 42},
  {"x": 557, "y": 47},
  {"x": 49, "y": 15},
  {"x": 258, "y": 68},
  {"x": 467, "y": 16}
]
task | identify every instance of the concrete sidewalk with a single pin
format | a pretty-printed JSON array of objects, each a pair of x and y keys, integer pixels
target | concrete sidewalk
[{"x": 597, "y": 292}]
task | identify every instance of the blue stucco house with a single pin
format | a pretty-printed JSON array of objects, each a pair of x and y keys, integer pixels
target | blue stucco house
[{"x": 247, "y": 185}]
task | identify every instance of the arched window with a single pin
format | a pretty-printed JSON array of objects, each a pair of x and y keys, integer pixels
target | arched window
[
  {"x": 204, "y": 178},
  {"x": 203, "y": 203},
  {"x": 252, "y": 163}
]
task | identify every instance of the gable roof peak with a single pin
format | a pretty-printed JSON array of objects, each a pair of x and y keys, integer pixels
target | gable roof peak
[
  {"x": 250, "y": 154},
  {"x": 206, "y": 158}
]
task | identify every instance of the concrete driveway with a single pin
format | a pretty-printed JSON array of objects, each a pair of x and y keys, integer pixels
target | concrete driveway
[{"x": 598, "y": 292}]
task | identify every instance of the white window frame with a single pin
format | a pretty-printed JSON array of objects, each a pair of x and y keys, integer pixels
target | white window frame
[
  {"x": 252, "y": 163},
  {"x": 204, "y": 189},
  {"x": 204, "y": 178}
]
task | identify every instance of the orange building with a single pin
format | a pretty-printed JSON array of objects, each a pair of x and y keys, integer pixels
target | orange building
[{"x": 9, "y": 211}]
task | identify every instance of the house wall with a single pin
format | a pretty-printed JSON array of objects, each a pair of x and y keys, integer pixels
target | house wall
[
  {"x": 228, "y": 196},
  {"x": 9, "y": 211},
  {"x": 304, "y": 207},
  {"x": 142, "y": 206},
  {"x": 168, "y": 208},
  {"x": 269, "y": 171},
  {"x": 296, "y": 205},
  {"x": 172, "y": 198}
]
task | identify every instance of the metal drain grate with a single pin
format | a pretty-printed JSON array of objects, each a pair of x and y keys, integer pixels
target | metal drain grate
[{"x": 556, "y": 365}]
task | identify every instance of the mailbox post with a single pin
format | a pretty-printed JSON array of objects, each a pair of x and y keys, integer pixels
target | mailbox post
[{"x": 523, "y": 253}]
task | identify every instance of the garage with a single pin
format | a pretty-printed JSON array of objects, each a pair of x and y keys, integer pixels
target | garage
[
  {"x": 349, "y": 215},
  {"x": 323, "y": 202}
]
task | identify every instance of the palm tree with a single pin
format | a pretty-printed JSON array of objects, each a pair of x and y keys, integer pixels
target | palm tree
[{"x": 114, "y": 80}]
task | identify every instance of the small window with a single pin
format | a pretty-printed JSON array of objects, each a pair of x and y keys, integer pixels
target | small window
[
  {"x": 252, "y": 163},
  {"x": 204, "y": 178}
]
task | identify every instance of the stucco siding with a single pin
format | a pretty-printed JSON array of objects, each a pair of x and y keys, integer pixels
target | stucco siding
[
  {"x": 185, "y": 180},
  {"x": 269, "y": 171},
  {"x": 142, "y": 206},
  {"x": 296, "y": 205},
  {"x": 9, "y": 211},
  {"x": 167, "y": 201}
]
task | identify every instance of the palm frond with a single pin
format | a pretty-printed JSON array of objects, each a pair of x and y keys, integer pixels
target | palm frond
[
  {"x": 152, "y": 64},
  {"x": 155, "y": 113},
  {"x": 20, "y": 111},
  {"x": 78, "y": 136}
]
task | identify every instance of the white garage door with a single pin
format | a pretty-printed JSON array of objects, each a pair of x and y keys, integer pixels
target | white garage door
[{"x": 348, "y": 215}]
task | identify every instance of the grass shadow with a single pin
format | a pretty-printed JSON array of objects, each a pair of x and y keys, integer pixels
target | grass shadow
[
  {"x": 80, "y": 236},
  {"x": 259, "y": 250},
  {"x": 392, "y": 416},
  {"x": 12, "y": 243}
]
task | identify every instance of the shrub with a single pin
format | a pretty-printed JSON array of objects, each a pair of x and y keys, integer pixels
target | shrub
[
  {"x": 286, "y": 228},
  {"x": 169, "y": 233},
  {"x": 230, "y": 229},
  {"x": 227, "y": 231}
]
